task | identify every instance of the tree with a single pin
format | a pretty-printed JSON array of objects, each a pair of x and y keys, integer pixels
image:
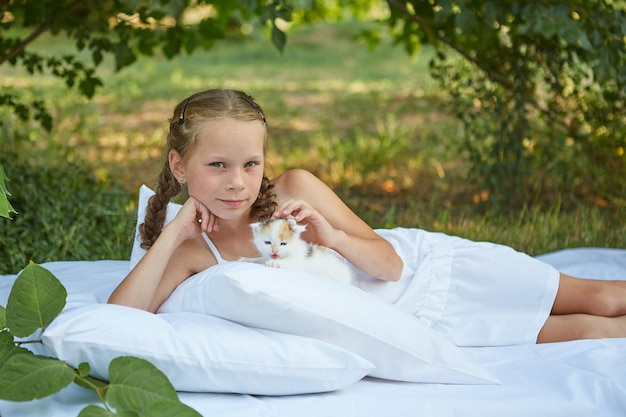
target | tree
[
  {"x": 539, "y": 86},
  {"x": 122, "y": 29}
]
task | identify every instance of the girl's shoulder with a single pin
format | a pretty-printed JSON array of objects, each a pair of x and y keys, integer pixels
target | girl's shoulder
[
  {"x": 195, "y": 255},
  {"x": 291, "y": 183},
  {"x": 293, "y": 177}
]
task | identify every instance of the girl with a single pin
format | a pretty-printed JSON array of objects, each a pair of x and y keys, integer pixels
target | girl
[{"x": 475, "y": 293}]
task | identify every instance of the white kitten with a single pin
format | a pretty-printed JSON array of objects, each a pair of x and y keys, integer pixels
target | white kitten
[{"x": 280, "y": 245}]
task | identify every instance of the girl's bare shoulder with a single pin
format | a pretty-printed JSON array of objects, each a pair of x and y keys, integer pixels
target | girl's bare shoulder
[
  {"x": 193, "y": 256},
  {"x": 292, "y": 177},
  {"x": 291, "y": 183}
]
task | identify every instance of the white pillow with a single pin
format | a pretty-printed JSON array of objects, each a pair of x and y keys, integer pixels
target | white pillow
[
  {"x": 201, "y": 353},
  {"x": 399, "y": 345},
  {"x": 142, "y": 204}
]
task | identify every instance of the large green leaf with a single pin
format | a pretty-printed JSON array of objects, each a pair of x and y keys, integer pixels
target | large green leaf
[
  {"x": 26, "y": 377},
  {"x": 170, "y": 408},
  {"x": 96, "y": 411},
  {"x": 137, "y": 385},
  {"x": 36, "y": 298}
]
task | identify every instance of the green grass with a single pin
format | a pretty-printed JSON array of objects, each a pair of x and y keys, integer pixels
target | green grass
[{"x": 372, "y": 124}]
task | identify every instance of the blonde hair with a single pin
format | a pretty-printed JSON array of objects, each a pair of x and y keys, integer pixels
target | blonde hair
[{"x": 184, "y": 125}]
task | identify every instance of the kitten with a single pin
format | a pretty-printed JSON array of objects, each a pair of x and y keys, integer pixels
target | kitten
[{"x": 280, "y": 245}]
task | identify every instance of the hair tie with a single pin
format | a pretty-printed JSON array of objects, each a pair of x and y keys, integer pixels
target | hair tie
[{"x": 181, "y": 119}]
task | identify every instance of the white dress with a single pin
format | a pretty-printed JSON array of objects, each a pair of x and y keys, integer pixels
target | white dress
[{"x": 474, "y": 293}]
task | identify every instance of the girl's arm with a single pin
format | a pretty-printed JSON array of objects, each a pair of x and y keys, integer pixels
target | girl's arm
[
  {"x": 168, "y": 262},
  {"x": 333, "y": 224}
]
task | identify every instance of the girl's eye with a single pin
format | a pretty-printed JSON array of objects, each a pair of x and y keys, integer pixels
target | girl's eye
[
  {"x": 217, "y": 164},
  {"x": 251, "y": 164}
]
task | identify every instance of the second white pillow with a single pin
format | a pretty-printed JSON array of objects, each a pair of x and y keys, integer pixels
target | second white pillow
[{"x": 400, "y": 346}]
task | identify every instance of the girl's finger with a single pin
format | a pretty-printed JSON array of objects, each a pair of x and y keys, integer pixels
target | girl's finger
[
  {"x": 214, "y": 224},
  {"x": 204, "y": 217},
  {"x": 290, "y": 207}
]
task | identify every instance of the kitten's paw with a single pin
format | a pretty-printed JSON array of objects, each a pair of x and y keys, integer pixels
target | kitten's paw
[{"x": 272, "y": 263}]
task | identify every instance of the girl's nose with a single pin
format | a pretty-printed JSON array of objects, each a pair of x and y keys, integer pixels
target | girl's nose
[{"x": 235, "y": 181}]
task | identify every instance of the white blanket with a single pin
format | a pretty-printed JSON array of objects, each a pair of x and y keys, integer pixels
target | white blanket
[{"x": 581, "y": 378}]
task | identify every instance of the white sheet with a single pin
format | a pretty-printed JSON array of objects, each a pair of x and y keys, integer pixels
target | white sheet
[{"x": 581, "y": 378}]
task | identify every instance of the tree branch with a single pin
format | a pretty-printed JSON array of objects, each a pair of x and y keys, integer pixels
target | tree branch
[
  {"x": 19, "y": 48},
  {"x": 394, "y": 4},
  {"x": 427, "y": 29}
]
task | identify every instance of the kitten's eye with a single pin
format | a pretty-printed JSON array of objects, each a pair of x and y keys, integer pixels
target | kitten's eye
[
  {"x": 283, "y": 243},
  {"x": 267, "y": 242}
]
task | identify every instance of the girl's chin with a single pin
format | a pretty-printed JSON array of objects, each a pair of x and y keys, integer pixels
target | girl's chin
[{"x": 231, "y": 214}]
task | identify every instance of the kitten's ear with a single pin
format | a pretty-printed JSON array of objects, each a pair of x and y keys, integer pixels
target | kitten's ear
[
  {"x": 255, "y": 226},
  {"x": 297, "y": 228}
]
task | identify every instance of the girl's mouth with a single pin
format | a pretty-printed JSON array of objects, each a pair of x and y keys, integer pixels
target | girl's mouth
[{"x": 233, "y": 203}]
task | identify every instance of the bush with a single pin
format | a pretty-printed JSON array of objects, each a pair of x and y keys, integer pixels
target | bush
[
  {"x": 540, "y": 88},
  {"x": 65, "y": 212}
]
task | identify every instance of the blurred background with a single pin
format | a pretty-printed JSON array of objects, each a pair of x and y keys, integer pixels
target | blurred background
[{"x": 493, "y": 122}]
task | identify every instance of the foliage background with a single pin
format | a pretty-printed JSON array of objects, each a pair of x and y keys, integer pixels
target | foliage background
[{"x": 398, "y": 145}]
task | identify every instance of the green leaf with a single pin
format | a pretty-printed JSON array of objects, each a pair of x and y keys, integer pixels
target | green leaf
[
  {"x": 170, "y": 408},
  {"x": 27, "y": 377},
  {"x": 174, "y": 41},
  {"x": 124, "y": 56},
  {"x": 3, "y": 318},
  {"x": 42, "y": 115},
  {"x": 279, "y": 39},
  {"x": 127, "y": 413},
  {"x": 137, "y": 385},
  {"x": 36, "y": 298},
  {"x": 5, "y": 206},
  {"x": 84, "y": 369},
  {"x": 95, "y": 411},
  {"x": 88, "y": 85},
  {"x": 8, "y": 348}
]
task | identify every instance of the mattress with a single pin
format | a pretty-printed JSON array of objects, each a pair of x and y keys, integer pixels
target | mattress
[{"x": 578, "y": 378}]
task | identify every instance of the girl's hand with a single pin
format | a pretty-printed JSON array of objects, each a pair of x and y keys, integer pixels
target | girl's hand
[
  {"x": 194, "y": 218},
  {"x": 318, "y": 230}
]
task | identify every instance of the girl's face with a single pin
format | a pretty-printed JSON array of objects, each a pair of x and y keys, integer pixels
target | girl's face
[{"x": 225, "y": 169}]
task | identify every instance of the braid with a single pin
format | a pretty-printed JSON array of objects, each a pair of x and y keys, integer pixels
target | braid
[
  {"x": 265, "y": 204},
  {"x": 152, "y": 226}
]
